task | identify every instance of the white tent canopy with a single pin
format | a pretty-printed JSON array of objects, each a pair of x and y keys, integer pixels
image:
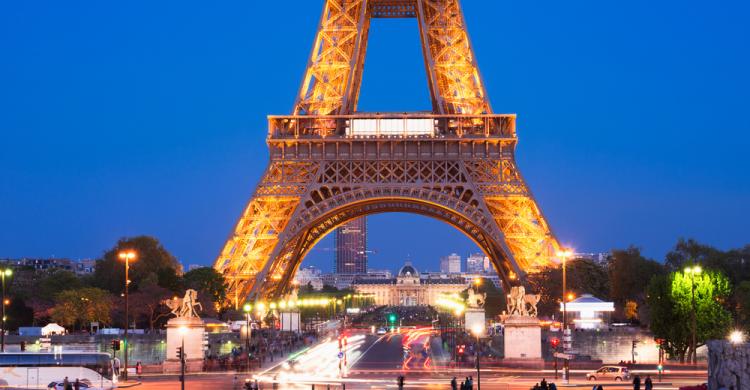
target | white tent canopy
[{"x": 52, "y": 328}]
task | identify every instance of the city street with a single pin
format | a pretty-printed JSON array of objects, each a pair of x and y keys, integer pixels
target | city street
[{"x": 375, "y": 362}]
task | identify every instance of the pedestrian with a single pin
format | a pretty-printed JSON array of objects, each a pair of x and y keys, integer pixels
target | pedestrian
[
  {"x": 400, "y": 382},
  {"x": 552, "y": 386},
  {"x": 139, "y": 369},
  {"x": 637, "y": 383},
  {"x": 600, "y": 387},
  {"x": 77, "y": 385},
  {"x": 649, "y": 383},
  {"x": 66, "y": 383},
  {"x": 454, "y": 384},
  {"x": 544, "y": 384}
]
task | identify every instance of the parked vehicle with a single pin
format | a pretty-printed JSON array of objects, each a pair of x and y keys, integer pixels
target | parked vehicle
[{"x": 614, "y": 373}]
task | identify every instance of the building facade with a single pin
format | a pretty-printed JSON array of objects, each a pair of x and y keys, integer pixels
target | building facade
[
  {"x": 475, "y": 264},
  {"x": 351, "y": 247},
  {"x": 309, "y": 275},
  {"x": 451, "y": 264},
  {"x": 408, "y": 288},
  {"x": 589, "y": 312}
]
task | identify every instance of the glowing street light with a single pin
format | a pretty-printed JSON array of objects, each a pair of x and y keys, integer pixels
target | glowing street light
[
  {"x": 693, "y": 271},
  {"x": 478, "y": 331},
  {"x": 564, "y": 255},
  {"x": 737, "y": 337},
  {"x": 247, "y": 308},
  {"x": 3, "y": 273},
  {"x": 127, "y": 256}
]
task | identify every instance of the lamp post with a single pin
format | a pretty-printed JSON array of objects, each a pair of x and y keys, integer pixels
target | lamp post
[
  {"x": 478, "y": 331},
  {"x": 3, "y": 273},
  {"x": 247, "y": 309},
  {"x": 564, "y": 255},
  {"x": 127, "y": 256},
  {"x": 692, "y": 271}
]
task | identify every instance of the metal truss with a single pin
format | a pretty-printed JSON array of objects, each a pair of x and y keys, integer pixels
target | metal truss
[
  {"x": 334, "y": 72},
  {"x": 460, "y": 170}
]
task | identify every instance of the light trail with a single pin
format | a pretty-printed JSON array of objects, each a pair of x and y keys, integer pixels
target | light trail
[{"x": 325, "y": 363}]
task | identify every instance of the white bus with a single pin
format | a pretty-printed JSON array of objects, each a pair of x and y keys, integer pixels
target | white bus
[{"x": 29, "y": 370}]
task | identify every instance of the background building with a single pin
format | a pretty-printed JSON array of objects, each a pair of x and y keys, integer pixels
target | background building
[
  {"x": 408, "y": 288},
  {"x": 351, "y": 247},
  {"x": 589, "y": 312},
  {"x": 309, "y": 275},
  {"x": 451, "y": 264},
  {"x": 475, "y": 263}
]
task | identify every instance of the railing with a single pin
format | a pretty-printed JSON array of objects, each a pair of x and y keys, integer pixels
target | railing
[{"x": 407, "y": 125}]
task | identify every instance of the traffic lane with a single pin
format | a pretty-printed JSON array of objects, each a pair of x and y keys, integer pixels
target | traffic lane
[
  {"x": 386, "y": 354},
  {"x": 387, "y": 381}
]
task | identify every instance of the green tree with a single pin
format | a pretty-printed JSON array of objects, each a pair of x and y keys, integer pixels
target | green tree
[
  {"x": 56, "y": 281},
  {"x": 77, "y": 308},
  {"x": 672, "y": 307},
  {"x": 742, "y": 304},
  {"x": 147, "y": 303},
  {"x": 208, "y": 281},
  {"x": 584, "y": 276},
  {"x": 152, "y": 257},
  {"x": 665, "y": 321},
  {"x": 18, "y": 314},
  {"x": 628, "y": 272}
]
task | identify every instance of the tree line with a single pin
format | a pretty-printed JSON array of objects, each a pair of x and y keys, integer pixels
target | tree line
[
  {"x": 663, "y": 296},
  {"x": 41, "y": 296}
]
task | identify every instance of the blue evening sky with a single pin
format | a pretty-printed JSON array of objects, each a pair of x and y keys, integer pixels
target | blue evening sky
[{"x": 148, "y": 117}]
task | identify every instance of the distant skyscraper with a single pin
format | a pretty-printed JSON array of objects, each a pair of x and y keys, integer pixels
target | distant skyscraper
[
  {"x": 475, "y": 263},
  {"x": 351, "y": 247},
  {"x": 450, "y": 264}
]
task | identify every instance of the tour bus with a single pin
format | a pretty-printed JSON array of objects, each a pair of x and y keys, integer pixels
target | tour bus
[{"x": 30, "y": 370}]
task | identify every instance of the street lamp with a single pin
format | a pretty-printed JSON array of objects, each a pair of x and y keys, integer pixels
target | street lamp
[
  {"x": 478, "y": 330},
  {"x": 564, "y": 255},
  {"x": 247, "y": 308},
  {"x": 127, "y": 255},
  {"x": 3, "y": 273},
  {"x": 692, "y": 271},
  {"x": 737, "y": 337}
]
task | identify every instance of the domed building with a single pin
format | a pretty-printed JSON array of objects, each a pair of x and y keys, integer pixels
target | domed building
[{"x": 408, "y": 288}]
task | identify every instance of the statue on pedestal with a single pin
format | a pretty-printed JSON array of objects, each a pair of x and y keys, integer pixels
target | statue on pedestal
[
  {"x": 475, "y": 299},
  {"x": 184, "y": 307},
  {"x": 522, "y": 304}
]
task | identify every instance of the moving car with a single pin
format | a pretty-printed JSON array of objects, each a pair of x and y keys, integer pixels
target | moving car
[
  {"x": 615, "y": 373},
  {"x": 381, "y": 331}
]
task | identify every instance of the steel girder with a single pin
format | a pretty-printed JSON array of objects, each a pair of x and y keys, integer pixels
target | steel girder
[
  {"x": 319, "y": 178},
  {"x": 331, "y": 84}
]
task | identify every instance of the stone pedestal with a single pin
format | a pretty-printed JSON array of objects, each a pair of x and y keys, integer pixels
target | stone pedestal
[
  {"x": 473, "y": 318},
  {"x": 190, "y": 330},
  {"x": 290, "y": 321},
  {"x": 523, "y": 339}
]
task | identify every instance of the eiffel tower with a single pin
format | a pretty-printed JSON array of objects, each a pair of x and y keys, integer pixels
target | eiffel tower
[{"x": 330, "y": 164}]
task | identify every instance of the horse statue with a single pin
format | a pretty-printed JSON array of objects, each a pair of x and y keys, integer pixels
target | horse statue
[
  {"x": 516, "y": 302},
  {"x": 531, "y": 300},
  {"x": 475, "y": 299},
  {"x": 184, "y": 307}
]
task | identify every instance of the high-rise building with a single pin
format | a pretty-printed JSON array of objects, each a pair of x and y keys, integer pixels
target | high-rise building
[
  {"x": 450, "y": 264},
  {"x": 351, "y": 247},
  {"x": 475, "y": 263}
]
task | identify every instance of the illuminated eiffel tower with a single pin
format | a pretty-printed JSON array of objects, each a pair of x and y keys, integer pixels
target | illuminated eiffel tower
[{"x": 330, "y": 164}]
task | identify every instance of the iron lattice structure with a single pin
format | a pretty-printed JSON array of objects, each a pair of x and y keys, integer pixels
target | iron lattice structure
[{"x": 330, "y": 164}]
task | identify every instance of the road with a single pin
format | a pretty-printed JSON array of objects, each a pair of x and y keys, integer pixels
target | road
[{"x": 366, "y": 361}]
